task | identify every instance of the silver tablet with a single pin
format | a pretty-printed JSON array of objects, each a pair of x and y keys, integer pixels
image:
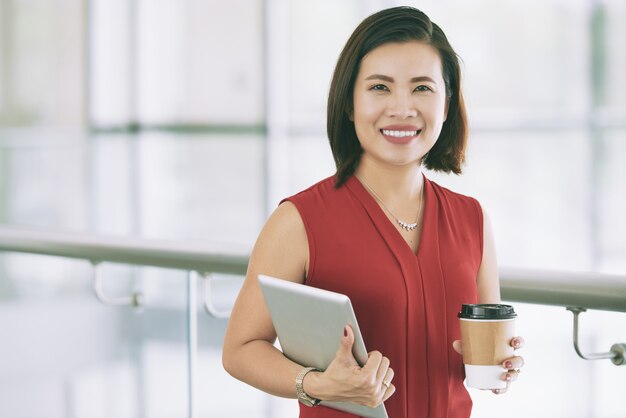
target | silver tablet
[{"x": 309, "y": 324}]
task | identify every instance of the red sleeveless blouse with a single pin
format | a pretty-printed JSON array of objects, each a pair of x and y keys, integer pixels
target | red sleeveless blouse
[{"x": 406, "y": 303}]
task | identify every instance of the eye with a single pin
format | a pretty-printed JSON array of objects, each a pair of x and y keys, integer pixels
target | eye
[
  {"x": 379, "y": 87},
  {"x": 423, "y": 88}
]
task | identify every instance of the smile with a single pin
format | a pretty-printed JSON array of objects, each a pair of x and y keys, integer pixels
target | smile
[{"x": 398, "y": 134}]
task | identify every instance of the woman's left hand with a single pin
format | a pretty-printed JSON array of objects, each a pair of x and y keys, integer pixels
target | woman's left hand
[{"x": 513, "y": 364}]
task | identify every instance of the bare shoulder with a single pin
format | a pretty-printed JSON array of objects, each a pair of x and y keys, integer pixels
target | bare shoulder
[
  {"x": 282, "y": 248},
  {"x": 285, "y": 220}
]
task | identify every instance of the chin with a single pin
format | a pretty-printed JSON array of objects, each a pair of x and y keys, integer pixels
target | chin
[{"x": 404, "y": 162}]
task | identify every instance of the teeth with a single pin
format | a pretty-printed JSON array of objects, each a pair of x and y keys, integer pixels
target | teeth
[{"x": 399, "y": 134}]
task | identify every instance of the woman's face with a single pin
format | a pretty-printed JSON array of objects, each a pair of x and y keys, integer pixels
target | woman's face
[{"x": 399, "y": 102}]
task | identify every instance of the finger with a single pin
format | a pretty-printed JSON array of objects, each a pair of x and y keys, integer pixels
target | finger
[
  {"x": 390, "y": 391},
  {"x": 381, "y": 374},
  {"x": 513, "y": 363},
  {"x": 510, "y": 376},
  {"x": 344, "y": 354},
  {"x": 387, "y": 378},
  {"x": 517, "y": 342},
  {"x": 374, "y": 359},
  {"x": 347, "y": 341},
  {"x": 388, "y": 387},
  {"x": 456, "y": 344},
  {"x": 502, "y": 391}
]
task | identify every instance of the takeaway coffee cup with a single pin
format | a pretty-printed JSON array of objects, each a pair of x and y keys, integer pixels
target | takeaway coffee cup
[{"x": 486, "y": 332}]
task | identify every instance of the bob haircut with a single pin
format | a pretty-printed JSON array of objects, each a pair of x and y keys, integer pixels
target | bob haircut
[{"x": 398, "y": 24}]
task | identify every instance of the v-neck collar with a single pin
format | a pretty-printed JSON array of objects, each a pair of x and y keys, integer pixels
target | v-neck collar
[
  {"x": 426, "y": 335},
  {"x": 385, "y": 225}
]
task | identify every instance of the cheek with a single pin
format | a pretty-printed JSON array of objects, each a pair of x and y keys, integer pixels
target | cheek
[
  {"x": 365, "y": 120},
  {"x": 366, "y": 109},
  {"x": 438, "y": 112}
]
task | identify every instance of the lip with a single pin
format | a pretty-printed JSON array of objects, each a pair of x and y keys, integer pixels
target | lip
[{"x": 400, "y": 140}]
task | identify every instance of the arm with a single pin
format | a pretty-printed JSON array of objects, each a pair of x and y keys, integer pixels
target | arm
[
  {"x": 488, "y": 283},
  {"x": 487, "y": 279},
  {"x": 249, "y": 354}
]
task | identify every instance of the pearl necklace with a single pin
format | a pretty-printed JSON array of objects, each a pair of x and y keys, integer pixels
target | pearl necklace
[{"x": 404, "y": 225}]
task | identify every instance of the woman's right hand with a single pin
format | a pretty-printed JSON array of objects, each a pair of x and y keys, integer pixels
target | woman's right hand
[{"x": 345, "y": 381}]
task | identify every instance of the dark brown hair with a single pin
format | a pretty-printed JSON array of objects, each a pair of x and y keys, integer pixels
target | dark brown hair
[{"x": 398, "y": 24}]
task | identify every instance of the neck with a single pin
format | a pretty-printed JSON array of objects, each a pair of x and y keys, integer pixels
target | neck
[{"x": 391, "y": 182}]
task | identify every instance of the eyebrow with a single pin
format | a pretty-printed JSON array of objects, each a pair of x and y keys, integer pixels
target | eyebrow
[{"x": 390, "y": 79}]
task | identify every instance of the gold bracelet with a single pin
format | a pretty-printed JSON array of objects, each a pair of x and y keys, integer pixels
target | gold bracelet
[{"x": 302, "y": 395}]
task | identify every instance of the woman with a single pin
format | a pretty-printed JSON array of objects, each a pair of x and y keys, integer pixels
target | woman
[{"x": 407, "y": 251}]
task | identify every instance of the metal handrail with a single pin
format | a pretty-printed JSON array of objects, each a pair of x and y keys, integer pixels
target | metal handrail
[
  {"x": 606, "y": 292},
  {"x": 123, "y": 250},
  {"x": 577, "y": 291},
  {"x": 544, "y": 287}
]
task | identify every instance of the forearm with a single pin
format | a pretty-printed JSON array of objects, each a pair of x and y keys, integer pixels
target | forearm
[{"x": 260, "y": 364}]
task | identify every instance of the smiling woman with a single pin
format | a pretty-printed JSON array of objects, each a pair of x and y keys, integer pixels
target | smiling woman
[
  {"x": 391, "y": 102},
  {"x": 439, "y": 60},
  {"x": 374, "y": 230}
]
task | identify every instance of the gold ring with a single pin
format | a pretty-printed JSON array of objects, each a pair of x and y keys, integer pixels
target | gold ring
[{"x": 387, "y": 383}]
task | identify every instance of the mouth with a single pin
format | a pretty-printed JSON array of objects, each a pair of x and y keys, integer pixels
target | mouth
[{"x": 400, "y": 136}]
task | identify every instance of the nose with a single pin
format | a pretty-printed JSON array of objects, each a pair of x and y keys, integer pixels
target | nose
[{"x": 401, "y": 106}]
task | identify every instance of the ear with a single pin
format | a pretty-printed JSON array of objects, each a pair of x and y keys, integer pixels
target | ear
[{"x": 351, "y": 115}]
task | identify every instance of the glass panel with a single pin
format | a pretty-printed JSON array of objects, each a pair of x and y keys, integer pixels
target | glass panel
[
  {"x": 614, "y": 34},
  {"x": 317, "y": 37},
  {"x": 311, "y": 161},
  {"x": 524, "y": 73},
  {"x": 62, "y": 333},
  {"x": 612, "y": 228},
  {"x": 125, "y": 185},
  {"x": 42, "y": 62},
  {"x": 200, "y": 62},
  {"x": 4, "y": 62},
  {"x": 47, "y": 178},
  {"x": 199, "y": 187},
  {"x": 112, "y": 57},
  {"x": 540, "y": 216},
  {"x": 4, "y": 179},
  {"x": 519, "y": 69}
]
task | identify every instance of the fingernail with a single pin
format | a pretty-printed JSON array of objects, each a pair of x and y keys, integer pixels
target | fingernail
[
  {"x": 507, "y": 377},
  {"x": 496, "y": 391},
  {"x": 516, "y": 343},
  {"x": 345, "y": 331},
  {"x": 508, "y": 365}
]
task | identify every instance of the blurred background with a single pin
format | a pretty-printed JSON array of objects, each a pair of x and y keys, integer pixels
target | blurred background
[{"x": 189, "y": 120}]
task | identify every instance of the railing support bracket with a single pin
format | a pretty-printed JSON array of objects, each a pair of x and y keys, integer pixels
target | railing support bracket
[
  {"x": 135, "y": 300},
  {"x": 618, "y": 351},
  {"x": 209, "y": 307}
]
